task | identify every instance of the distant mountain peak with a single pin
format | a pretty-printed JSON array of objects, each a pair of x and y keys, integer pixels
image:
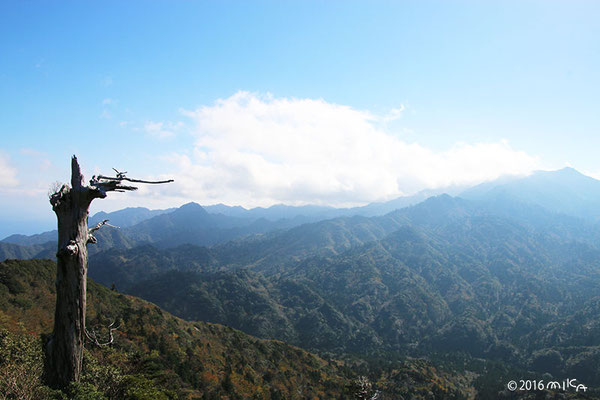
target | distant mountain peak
[
  {"x": 441, "y": 199},
  {"x": 191, "y": 206},
  {"x": 190, "y": 209},
  {"x": 565, "y": 191},
  {"x": 568, "y": 170},
  {"x": 564, "y": 176},
  {"x": 565, "y": 171}
]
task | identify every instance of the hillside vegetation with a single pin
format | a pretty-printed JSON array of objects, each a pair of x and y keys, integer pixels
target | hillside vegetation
[
  {"x": 158, "y": 356},
  {"x": 444, "y": 277}
]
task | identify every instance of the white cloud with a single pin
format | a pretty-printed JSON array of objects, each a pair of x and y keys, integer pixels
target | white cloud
[
  {"x": 394, "y": 114},
  {"x": 162, "y": 130},
  {"x": 8, "y": 174},
  {"x": 107, "y": 101},
  {"x": 260, "y": 150}
]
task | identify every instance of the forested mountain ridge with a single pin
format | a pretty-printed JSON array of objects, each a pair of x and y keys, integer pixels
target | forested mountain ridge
[
  {"x": 447, "y": 275},
  {"x": 128, "y": 216},
  {"x": 122, "y": 218},
  {"x": 158, "y": 356},
  {"x": 565, "y": 192},
  {"x": 188, "y": 224},
  {"x": 23, "y": 252}
]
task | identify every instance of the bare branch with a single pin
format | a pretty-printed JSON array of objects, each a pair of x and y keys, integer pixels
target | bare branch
[
  {"x": 100, "y": 224},
  {"x": 121, "y": 177},
  {"x": 91, "y": 237},
  {"x": 101, "y": 184},
  {"x": 119, "y": 173},
  {"x": 93, "y": 337}
]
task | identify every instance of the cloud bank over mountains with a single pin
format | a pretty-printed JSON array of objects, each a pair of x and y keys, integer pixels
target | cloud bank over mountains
[
  {"x": 258, "y": 150},
  {"x": 251, "y": 149}
]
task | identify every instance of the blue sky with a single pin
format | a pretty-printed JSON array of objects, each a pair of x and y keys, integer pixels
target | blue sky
[{"x": 264, "y": 102}]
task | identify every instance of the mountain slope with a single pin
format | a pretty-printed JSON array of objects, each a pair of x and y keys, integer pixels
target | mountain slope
[
  {"x": 209, "y": 225},
  {"x": 206, "y": 358},
  {"x": 447, "y": 275},
  {"x": 128, "y": 216},
  {"x": 24, "y": 240},
  {"x": 564, "y": 191},
  {"x": 189, "y": 224},
  {"x": 158, "y": 356},
  {"x": 313, "y": 213},
  {"x": 122, "y": 218},
  {"x": 15, "y": 251}
]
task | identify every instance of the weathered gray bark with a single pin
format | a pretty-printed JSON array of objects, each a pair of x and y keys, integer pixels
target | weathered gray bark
[{"x": 64, "y": 349}]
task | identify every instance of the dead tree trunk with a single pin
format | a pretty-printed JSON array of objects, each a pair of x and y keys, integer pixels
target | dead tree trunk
[{"x": 64, "y": 349}]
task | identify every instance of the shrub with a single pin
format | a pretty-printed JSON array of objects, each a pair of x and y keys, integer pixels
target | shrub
[{"x": 21, "y": 366}]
